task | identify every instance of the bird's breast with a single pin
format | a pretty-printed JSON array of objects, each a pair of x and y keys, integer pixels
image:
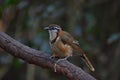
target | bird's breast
[{"x": 61, "y": 49}]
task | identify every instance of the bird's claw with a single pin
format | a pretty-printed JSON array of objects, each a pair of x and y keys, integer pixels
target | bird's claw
[{"x": 59, "y": 61}]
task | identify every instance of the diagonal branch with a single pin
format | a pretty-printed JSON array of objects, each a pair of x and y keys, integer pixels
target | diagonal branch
[{"x": 41, "y": 59}]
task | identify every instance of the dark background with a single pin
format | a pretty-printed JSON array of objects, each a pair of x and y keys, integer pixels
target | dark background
[{"x": 94, "y": 23}]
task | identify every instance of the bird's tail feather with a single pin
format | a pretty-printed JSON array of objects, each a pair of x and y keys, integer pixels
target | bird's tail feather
[{"x": 84, "y": 57}]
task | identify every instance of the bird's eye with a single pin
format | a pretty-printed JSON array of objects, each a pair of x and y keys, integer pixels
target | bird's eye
[{"x": 53, "y": 28}]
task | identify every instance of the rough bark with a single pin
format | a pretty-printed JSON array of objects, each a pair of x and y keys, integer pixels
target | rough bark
[{"x": 41, "y": 59}]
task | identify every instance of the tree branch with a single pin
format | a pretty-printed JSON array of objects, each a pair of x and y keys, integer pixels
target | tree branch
[{"x": 42, "y": 59}]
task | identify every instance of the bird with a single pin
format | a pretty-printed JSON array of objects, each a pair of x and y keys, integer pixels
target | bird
[{"x": 63, "y": 45}]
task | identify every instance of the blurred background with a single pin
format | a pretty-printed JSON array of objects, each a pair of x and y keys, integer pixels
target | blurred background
[{"x": 94, "y": 23}]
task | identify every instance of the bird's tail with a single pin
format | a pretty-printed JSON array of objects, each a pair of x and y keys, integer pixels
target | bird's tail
[{"x": 84, "y": 57}]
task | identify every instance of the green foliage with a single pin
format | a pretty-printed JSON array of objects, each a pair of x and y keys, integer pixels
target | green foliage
[
  {"x": 18, "y": 63},
  {"x": 11, "y": 2}
]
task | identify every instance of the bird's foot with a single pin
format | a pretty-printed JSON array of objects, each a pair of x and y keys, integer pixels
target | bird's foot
[
  {"x": 54, "y": 57},
  {"x": 59, "y": 60},
  {"x": 51, "y": 57}
]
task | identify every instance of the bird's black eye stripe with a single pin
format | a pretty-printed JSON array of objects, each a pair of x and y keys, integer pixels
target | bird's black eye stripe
[{"x": 53, "y": 28}]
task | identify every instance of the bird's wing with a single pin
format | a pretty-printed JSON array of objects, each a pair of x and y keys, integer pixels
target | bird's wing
[{"x": 68, "y": 39}]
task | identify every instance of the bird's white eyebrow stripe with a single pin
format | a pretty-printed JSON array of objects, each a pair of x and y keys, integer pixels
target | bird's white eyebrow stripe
[{"x": 57, "y": 27}]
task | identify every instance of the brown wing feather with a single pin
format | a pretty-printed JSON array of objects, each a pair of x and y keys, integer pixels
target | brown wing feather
[{"x": 68, "y": 39}]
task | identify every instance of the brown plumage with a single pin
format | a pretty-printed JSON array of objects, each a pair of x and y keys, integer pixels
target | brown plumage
[{"x": 64, "y": 45}]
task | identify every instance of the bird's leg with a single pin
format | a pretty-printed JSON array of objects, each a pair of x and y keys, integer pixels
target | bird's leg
[
  {"x": 54, "y": 56},
  {"x": 59, "y": 61}
]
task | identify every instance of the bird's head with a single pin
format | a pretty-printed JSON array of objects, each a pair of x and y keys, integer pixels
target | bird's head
[{"x": 53, "y": 28}]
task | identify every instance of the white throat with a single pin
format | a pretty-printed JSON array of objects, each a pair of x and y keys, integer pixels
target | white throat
[{"x": 52, "y": 35}]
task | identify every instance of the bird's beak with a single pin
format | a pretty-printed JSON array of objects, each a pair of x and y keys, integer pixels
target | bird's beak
[{"x": 46, "y": 28}]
